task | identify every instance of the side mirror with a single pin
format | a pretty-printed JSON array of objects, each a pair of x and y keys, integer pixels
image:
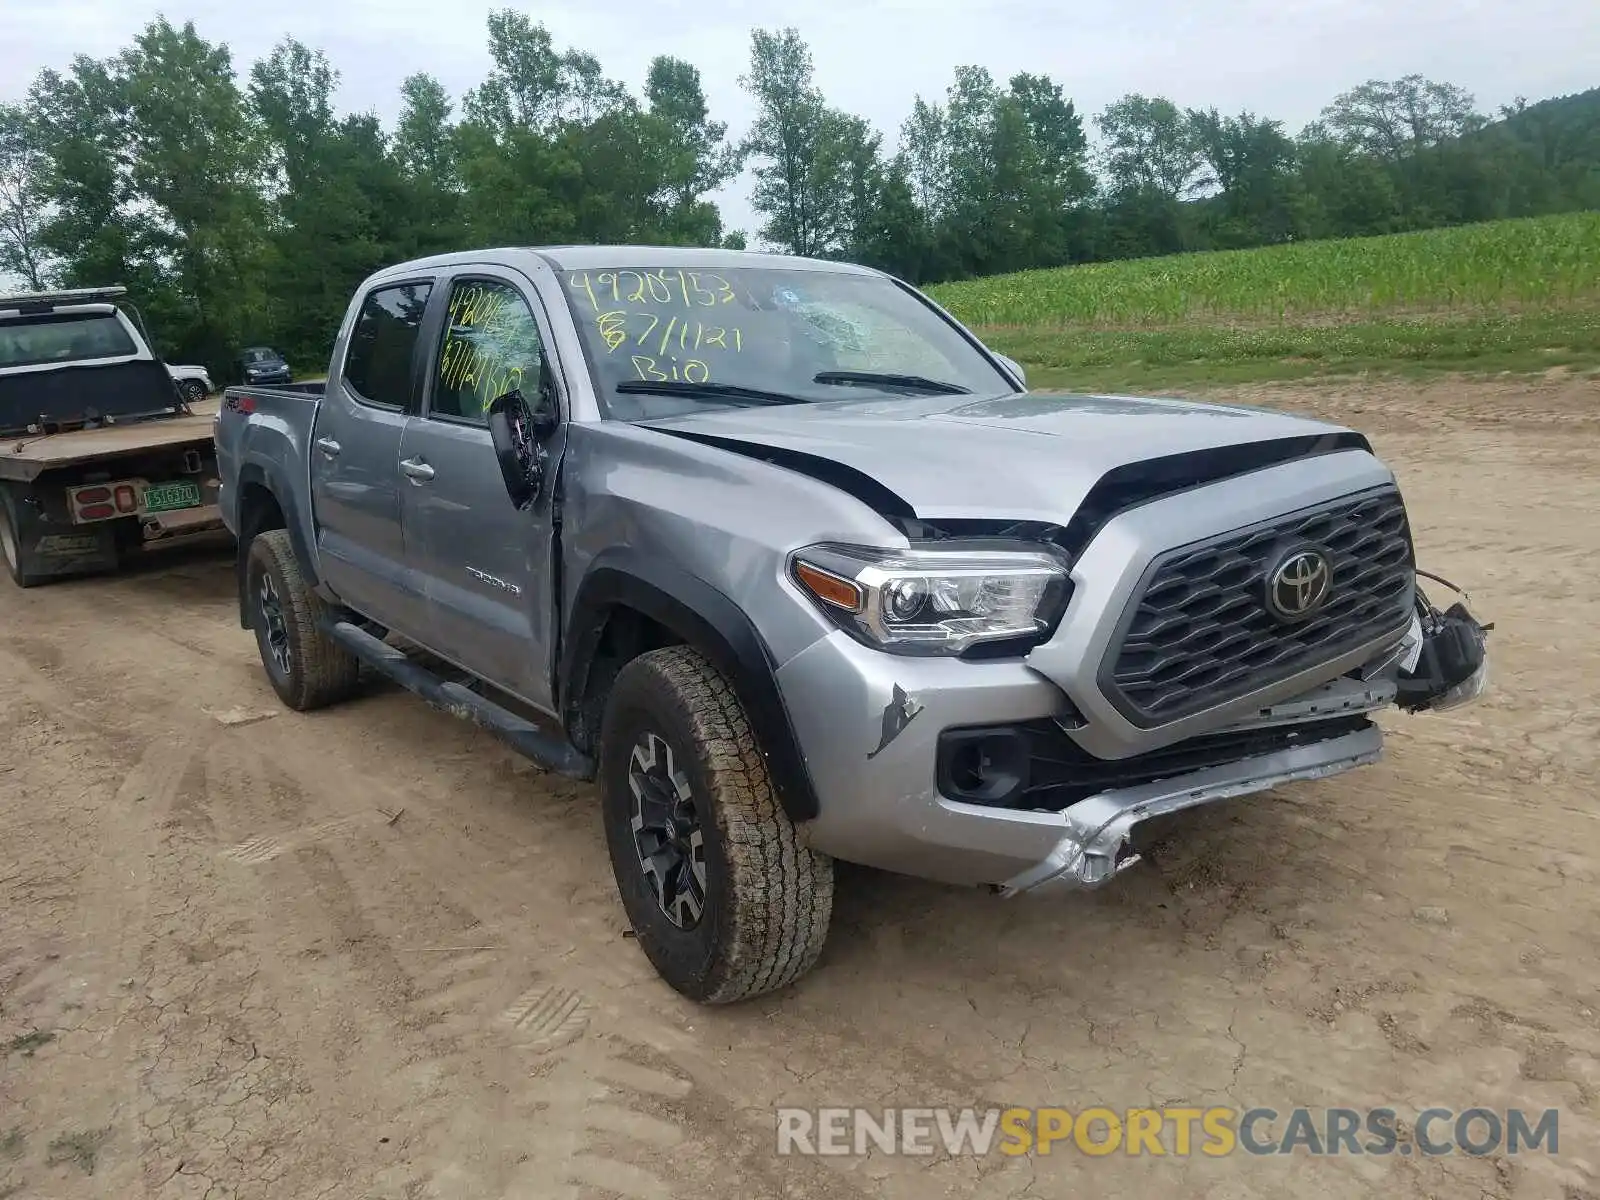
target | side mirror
[
  {"x": 1015, "y": 368},
  {"x": 517, "y": 434}
]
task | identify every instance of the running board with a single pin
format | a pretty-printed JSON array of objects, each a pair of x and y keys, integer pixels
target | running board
[{"x": 554, "y": 753}]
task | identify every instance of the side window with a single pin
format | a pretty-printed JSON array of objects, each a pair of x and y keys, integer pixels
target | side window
[
  {"x": 491, "y": 346},
  {"x": 377, "y": 366}
]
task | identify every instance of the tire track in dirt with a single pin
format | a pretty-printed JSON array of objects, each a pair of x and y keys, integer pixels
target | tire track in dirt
[
  {"x": 509, "y": 998},
  {"x": 181, "y": 1064},
  {"x": 584, "y": 943}
]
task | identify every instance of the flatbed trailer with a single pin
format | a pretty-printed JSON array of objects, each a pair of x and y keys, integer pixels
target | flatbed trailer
[
  {"x": 26, "y": 457},
  {"x": 100, "y": 453}
]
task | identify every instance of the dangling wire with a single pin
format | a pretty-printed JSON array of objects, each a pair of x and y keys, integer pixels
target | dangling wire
[{"x": 1439, "y": 579}]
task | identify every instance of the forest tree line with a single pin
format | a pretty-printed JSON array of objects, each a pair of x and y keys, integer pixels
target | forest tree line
[{"x": 241, "y": 210}]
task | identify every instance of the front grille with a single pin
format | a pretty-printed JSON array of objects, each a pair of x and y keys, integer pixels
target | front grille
[
  {"x": 1061, "y": 772},
  {"x": 1199, "y": 632}
]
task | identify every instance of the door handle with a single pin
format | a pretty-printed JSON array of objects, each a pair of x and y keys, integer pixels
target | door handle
[
  {"x": 419, "y": 471},
  {"x": 329, "y": 447}
]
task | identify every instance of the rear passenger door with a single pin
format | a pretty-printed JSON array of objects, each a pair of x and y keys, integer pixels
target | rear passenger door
[
  {"x": 355, "y": 454},
  {"x": 487, "y": 565}
]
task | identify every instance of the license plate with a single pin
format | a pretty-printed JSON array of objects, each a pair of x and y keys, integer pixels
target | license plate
[{"x": 164, "y": 497}]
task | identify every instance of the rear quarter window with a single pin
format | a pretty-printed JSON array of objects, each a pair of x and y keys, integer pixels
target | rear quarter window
[
  {"x": 61, "y": 338},
  {"x": 383, "y": 342}
]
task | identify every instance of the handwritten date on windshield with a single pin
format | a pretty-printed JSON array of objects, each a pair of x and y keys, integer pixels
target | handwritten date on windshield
[{"x": 618, "y": 327}]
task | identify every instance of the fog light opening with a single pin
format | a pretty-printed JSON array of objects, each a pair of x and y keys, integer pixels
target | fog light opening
[{"x": 984, "y": 766}]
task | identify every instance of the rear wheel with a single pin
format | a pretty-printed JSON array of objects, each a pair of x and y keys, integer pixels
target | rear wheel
[
  {"x": 14, "y": 544},
  {"x": 725, "y": 899},
  {"x": 306, "y": 667}
]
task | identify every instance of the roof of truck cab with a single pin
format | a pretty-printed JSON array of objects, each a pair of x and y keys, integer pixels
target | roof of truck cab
[
  {"x": 10, "y": 311},
  {"x": 625, "y": 257}
]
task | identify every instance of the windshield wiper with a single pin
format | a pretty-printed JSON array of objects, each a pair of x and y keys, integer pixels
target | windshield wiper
[
  {"x": 705, "y": 391},
  {"x": 916, "y": 383}
]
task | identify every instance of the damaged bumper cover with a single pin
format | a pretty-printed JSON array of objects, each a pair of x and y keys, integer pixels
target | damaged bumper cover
[
  {"x": 871, "y": 728},
  {"x": 1443, "y": 665},
  {"x": 1094, "y": 836}
]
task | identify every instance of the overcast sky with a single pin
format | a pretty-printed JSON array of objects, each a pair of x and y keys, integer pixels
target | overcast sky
[{"x": 1283, "y": 58}]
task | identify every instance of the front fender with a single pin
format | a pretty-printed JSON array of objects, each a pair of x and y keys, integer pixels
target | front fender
[{"x": 706, "y": 619}]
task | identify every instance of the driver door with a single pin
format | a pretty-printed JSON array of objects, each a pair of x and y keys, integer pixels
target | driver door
[{"x": 485, "y": 566}]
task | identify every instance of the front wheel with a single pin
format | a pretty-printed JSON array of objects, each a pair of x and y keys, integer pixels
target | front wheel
[
  {"x": 306, "y": 667},
  {"x": 726, "y": 900},
  {"x": 193, "y": 390}
]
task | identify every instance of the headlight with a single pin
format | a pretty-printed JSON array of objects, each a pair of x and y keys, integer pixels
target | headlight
[{"x": 940, "y": 601}]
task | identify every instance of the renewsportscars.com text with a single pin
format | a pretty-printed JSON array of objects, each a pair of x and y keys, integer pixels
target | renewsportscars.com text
[{"x": 1158, "y": 1132}]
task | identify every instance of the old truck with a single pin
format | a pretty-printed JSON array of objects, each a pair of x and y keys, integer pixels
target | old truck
[
  {"x": 794, "y": 566},
  {"x": 100, "y": 451}
]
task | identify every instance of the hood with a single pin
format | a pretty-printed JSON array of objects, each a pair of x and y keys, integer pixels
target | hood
[{"x": 1021, "y": 457}]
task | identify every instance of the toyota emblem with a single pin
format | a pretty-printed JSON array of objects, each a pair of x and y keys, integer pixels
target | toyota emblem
[{"x": 1299, "y": 585}]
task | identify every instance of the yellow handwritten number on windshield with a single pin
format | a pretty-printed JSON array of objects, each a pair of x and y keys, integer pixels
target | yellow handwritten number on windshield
[{"x": 688, "y": 289}]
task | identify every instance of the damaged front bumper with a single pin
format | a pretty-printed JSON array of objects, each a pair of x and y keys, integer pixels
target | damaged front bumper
[
  {"x": 1095, "y": 833},
  {"x": 874, "y": 730},
  {"x": 1442, "y": 664}
]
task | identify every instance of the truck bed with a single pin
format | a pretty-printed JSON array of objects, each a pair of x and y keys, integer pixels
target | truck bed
[{"x": 26, "y": 457}]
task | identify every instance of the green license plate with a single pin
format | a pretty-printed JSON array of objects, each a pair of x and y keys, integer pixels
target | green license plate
[{"x": 164, "y": 497}]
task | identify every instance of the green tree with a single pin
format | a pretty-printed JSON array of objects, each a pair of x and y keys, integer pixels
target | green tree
[
  {"x": 90, "y": 222},
  {"x": 195, "y": 159},
  {"x": 1149, "y": 147},
  {"x": 1400, "y": 119},
  {"x": 426, "y": 150},
  {"x": 1152, "y": 166},
  {"x": 22, "y": 165},
  {"x": 1000, "y": 175},
  {"x": 1345, "y": 192},
  {"x": 331, "y": 189},
  {"x": 924, "y": 145},
  {"x": 798, "y": 146},
  {"x": 533, "y": 87},
  {"x": 1250, "y": 162},
  {"x": 150, "y": 179},
  {"x": 695, "y": 155}
]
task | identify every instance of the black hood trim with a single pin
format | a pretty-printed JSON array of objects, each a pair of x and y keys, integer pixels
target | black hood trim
[
  {"x": 863, "y": 487},
  {"x": 1135, "y": 484},
  {"x": 1120, "y": 489}
]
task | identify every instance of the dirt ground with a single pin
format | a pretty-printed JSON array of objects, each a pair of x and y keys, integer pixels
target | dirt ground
[{"x": 369, "y": 952}]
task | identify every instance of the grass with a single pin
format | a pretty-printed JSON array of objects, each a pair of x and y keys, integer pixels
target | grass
[
  {"x": 1520, "y": 296},
  {"x": 1199, "y": 354}
]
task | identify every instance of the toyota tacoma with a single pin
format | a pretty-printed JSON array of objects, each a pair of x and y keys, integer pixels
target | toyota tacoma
[{"x": 792, "y": 565}]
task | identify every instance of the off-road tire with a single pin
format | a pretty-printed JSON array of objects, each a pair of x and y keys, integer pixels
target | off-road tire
[
  {"x": 320, "y": 671},
  {"x": 13, "y": 545},
  {"x": 768, "y": 897}
]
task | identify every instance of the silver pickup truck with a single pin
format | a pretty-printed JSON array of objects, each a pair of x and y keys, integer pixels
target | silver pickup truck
[{"x": 797, "y": 569}]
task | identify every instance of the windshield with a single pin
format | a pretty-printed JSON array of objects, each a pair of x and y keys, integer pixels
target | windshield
[
  {"x": 768, "y": 330},
  {"x": 62, "y": 338},
  {"x": 260, "y": 356}
]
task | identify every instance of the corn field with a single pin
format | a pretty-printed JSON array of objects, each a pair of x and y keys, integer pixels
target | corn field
[{"x": 1539, "y": 262}]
